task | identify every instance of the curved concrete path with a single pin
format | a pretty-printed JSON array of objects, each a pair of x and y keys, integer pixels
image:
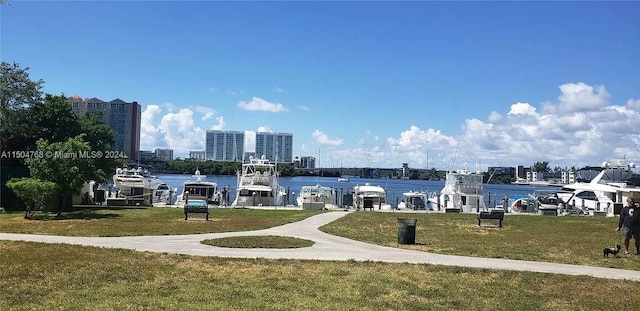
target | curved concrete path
[{"x": 326, "y": 247}]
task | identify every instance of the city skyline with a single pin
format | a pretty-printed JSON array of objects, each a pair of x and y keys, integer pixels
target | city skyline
[{"x": 359, "y": 84}]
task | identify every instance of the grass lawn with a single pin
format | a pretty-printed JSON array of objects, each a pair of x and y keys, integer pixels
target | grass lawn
[
  {"x": 568, "y": 239},
  {"x": 131, "y": 221},
  {"x": 252, "y": 241},
  {"x": 35, "y": 276}
]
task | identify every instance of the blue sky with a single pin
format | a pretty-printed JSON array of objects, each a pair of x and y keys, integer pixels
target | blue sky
[{"x": 434, "y": 84}]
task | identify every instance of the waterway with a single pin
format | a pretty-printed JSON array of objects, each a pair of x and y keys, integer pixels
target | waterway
[{"x": 493, "y": 193}]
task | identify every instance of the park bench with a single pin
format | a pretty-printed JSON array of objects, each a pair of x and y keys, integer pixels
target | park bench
[
  {"x": 190, "y": 208},
  {"x": 491, "y": 215},
  {"x": 367, "y": 203}
]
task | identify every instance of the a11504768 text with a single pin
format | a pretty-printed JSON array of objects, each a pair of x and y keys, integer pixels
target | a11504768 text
[{"x": 60, "y": 154}]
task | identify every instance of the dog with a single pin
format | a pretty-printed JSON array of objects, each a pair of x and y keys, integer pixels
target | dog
[{"x": 611, "y": 251}]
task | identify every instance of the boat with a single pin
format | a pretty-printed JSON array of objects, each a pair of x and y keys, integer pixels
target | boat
[
  {"x": 343, "y": 179},
  {"x": 258, "y": 184},
  {"x": 137, "y": 185},
  {"x": 537, "y": 203},
  {"x": 605, "y": 194},
  {"x": 415, "y": 200},
  {"x": 369, "y": 196},
  {"x": 315, "y": 197},
  {"x": 199, "y": 190},
  {"x": 462, "y": 193}
]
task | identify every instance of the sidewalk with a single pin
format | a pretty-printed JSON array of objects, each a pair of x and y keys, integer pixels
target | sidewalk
[{"x": 326, "y": 247}]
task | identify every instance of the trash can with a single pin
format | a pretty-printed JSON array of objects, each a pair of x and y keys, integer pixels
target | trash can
[{"x": 407, "y": 230}]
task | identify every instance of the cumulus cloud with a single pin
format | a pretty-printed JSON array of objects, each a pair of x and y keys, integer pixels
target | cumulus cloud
[
  {"x": 151, "y": 136},
  {"x": 259, "y": 104},
  {"x": 522, "y": 109},
  {"x": 322, "y": 139},
  {"x": 205, "y": 111},
  {"x": 175, "y": 131},
  {"x": 579, "y": 96},
  {"x": 219, "y": 125}
]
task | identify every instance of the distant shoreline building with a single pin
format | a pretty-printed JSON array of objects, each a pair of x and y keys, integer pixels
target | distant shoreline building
[
  {"x": 276, "y": 147},
  {"x": 224, "y": 145},
  {"x": 197, "y": 155},
  {"x": 122, "y": 117},
  {"x": 306, "y": 162},
  {"x": 163, "y": 154}
]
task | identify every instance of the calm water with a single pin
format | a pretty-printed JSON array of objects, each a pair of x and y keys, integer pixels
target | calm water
[{"x": 394, "y": 187}]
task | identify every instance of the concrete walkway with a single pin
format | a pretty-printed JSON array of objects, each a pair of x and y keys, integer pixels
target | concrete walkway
[{"x": 326, "y": 247}]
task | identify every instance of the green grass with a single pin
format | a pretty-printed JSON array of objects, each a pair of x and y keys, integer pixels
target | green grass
[
  {"x": 569, "y": 239},
  {"x": 35, "y": 276},
  {"x": 267, "y": 241},
  {"x": 118, "y": 221}
]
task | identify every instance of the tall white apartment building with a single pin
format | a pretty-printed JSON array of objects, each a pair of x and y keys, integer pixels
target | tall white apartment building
[
  {"x": 224, "y": 145},
  {"x": 276, "y": 147}
]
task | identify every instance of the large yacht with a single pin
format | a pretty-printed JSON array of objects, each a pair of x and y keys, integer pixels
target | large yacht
[
  {"x": 605, "y": 193},
  {"x": 462, "y": 193},
  {"x": 258, "y": 184}
]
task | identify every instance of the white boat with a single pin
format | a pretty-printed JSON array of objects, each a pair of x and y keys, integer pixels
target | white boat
[
  {"x": 315, "y": 197},
  {"x": 343, "y": 179},
  {"x": 537, "y": 203},
  {"x": 199, "y": 190},
  {"x": 368, "y": 196},
  {"x": 415, "y": 201},
  {"x": 462, "y": 193},
  {"x": 138, "y": 185},
  {"x": 610, "y": 187},
  {"x": 258, "y": 184}
]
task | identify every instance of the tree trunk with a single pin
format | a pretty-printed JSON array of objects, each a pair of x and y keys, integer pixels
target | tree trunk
[{"x": 62, "y": 206}]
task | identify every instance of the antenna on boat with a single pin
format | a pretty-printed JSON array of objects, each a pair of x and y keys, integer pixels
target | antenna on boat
[
  {"x": 493, "y": 173},
  {"x": 455, "y": 155}
]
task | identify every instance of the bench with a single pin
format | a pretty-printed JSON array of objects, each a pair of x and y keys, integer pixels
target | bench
[
  {"x": 494, "y": 215},
  {"x": 196, "y": 209},
  {"x": 367, "y": 203}
]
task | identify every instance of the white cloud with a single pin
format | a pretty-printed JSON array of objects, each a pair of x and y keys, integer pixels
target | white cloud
[
  {"x": 264, "y": 129},
  {"x": 206, "y": 111},
  {"x": 278, "y": 90},
  {"x": 522, "y": 109},
  {"x": 180, "y": 131},
  {"x": 633, "y": 104},
  {"x": 303, "y": 108},
  {"x": 219, "y": 125},
  {"x": 582, "y": 97},
  {"x": 151, "y": 136},
  {"x": 249, "y": 141},
  {"x": 259, "y": 104},
  {"x": 322, "y": 139},
  {"x": 494, "y": 117}
]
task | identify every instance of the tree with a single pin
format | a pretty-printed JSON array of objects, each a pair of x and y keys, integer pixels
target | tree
[
  {"x": 17, "y": 92},
  {"x": 16, "y": 89},
  {"x": 100, "y": 138},
  {"x": 541, "y": 167},
  {"x": 66, "y": 164},
  {"x": 35, "y": 193}
]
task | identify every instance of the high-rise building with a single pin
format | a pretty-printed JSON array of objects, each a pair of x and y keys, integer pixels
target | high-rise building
[
  {"x": 224, "y": 145},
  {"x": 122, "y": 117},
  {"x": 276, "y": 147},
  {"x": 164, "y": 154}
]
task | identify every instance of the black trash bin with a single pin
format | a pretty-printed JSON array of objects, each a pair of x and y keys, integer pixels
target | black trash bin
[{"x": 407, "y": 230}]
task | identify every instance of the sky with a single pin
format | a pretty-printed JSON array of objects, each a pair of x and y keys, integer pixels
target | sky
[{"x": 359, "y": 84}]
